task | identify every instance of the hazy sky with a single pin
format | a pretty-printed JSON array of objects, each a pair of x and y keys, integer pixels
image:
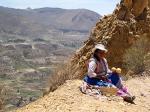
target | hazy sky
[{"x": 100, "y": 6}]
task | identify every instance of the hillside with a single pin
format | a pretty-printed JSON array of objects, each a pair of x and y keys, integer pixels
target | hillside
[
  {"x": 120, "y": 31},
  {"x": 68, "y": 98}
]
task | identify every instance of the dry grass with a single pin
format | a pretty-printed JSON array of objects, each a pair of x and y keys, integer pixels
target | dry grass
[
  {"x": 1, "y": 98},
  {"x": 60, "y": 75},
  {"x": 135, "y": 56},
  {"x": 147, "y": 61}
]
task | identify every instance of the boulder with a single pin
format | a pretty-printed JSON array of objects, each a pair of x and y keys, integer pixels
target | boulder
[
  {"x": 137, "y": 8},
  {"x": 127, "y": 3}
]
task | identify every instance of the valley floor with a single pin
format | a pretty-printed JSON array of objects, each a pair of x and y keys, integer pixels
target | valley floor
[{"x": 68, "y": 98}]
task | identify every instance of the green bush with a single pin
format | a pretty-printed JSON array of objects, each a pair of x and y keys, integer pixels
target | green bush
[{"x": 134, "y": 56}]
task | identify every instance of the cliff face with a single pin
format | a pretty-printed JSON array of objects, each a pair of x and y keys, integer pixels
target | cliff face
[{"x": 118, "y": 31}]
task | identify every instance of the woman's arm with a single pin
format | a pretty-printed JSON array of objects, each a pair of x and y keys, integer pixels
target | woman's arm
[
  {"x": 91, "y": 69},
  {"x": 108, "y": 70}
]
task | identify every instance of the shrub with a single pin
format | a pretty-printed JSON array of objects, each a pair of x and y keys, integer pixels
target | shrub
[
  {"x": 134, "y": 56},
  {"x": 6, "y": 93},
  {"x": 147, "y": 61},
  {"x": 1, "y": 98},
  {"x": 59, "y": 76}
]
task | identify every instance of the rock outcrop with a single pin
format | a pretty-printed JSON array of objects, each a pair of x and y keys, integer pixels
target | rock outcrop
[
  {"x": 133, "y": 8},
  {"x": 117, "y": 34}
]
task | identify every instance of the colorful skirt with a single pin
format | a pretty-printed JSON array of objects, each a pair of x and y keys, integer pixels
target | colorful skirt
[{"x": 97, "y": 82}]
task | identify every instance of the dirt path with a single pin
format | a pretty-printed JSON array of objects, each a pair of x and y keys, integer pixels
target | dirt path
[{"x": 68, "y": 98}]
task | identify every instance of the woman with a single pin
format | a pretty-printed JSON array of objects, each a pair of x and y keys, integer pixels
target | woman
[
  {"x": 98, "y": 73},
  {"x": 98, "y": 68}
]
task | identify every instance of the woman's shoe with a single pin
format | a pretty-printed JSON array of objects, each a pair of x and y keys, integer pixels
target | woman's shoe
[{"x": 129, "y": 99}]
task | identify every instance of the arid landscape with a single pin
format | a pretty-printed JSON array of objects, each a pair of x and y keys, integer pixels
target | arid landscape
[
  {"x": 42, "y": 67},
  {"x": 33, "y": 44}
]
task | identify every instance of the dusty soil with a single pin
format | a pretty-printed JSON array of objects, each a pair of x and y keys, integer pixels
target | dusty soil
[{"x": 68, "y": 98}]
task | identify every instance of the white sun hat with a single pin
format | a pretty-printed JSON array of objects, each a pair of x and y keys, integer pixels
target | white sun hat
[{"x": 100, "y": 47}]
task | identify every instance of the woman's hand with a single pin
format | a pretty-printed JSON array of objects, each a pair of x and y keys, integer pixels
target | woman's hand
[{"x": 102, "y": 77}]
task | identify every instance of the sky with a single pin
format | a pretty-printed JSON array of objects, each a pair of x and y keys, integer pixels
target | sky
[{"x": 102, "y": 7}]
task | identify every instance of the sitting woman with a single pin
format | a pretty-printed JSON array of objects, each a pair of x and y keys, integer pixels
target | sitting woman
[
  {"x": 98, "y": 68},
  {"x": 98, "y": 73}
]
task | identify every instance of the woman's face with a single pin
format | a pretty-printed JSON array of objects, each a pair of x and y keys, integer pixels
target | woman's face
[{"x": 101, "y": 54}]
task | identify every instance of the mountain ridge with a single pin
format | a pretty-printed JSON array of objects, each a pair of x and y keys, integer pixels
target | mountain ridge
[{"x": 46, "y": 21}]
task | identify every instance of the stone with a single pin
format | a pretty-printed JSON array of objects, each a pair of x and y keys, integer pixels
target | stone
[
  {"x": 127, "y": 8},
  {"x": 142, "y": 94},
  {"x": 139, "y": 6},
  {"x": 127, "y": 3}
]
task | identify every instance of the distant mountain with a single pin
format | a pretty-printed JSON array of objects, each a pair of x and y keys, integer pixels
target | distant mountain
[{"x": 45, "y": 21}]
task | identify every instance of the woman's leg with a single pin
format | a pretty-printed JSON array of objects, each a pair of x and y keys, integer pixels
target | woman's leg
[
  {"x": 123, "y": 91},
  {"x": 91, "y": 81},
  {"x": 126, "y": 95}
]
